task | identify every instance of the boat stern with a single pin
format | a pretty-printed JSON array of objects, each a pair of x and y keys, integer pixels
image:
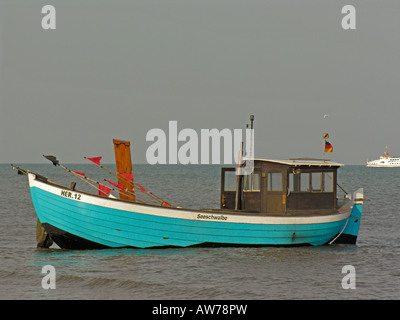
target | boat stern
[{"x": 350, "y": 233}]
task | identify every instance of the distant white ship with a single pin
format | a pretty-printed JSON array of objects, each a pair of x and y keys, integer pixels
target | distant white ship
[{"x": 385, "y": 161}]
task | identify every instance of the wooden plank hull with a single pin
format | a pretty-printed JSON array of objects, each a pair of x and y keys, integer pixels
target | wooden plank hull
[{"x": 78, "y": 220}]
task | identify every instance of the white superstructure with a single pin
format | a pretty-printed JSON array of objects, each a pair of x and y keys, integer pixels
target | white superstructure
[{"x": 385, "y": 161}]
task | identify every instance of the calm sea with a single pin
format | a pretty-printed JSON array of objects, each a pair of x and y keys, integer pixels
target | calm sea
[{"x": 201, "y": 273}]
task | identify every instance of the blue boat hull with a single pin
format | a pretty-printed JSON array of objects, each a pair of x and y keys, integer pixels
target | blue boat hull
[{"x": 83, "y": 221}]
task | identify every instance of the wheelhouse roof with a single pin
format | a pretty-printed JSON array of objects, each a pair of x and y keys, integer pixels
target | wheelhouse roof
[{"x": 310, "y": 162}]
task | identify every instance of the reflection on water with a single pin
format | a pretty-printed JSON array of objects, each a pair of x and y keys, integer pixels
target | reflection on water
[{"x": 197, "y": 273}]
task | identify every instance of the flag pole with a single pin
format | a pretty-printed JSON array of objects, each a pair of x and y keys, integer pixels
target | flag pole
[
  {"x": 88, "y": 180},
  {"x": 118, "y": 175},
  {"x": 57, "y": 163},
  {"x": 126, "y": 192}
]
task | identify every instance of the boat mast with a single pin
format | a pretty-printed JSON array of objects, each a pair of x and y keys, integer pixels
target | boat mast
[
  {"x": 123, "y": 164},
  {"x": 251, "y": 148},
  {"x": 239, "y": 171},
  {"x": 239, "y": 176},
  {"x": 251, "y": 135}
]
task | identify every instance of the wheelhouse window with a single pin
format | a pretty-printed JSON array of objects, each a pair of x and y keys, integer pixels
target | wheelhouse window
[
  {"x": 327, "y": 181},
  {"x": 274, "y": 181},
  {"x": 252, "y": 182},
  {"x": 304, "y": 182},
  {"x": 316, "y": 181},
  {"x": 311, "y": 182}
]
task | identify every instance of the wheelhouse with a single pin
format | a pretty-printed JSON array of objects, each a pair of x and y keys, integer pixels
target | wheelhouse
[{"x": 282, "y": 187}]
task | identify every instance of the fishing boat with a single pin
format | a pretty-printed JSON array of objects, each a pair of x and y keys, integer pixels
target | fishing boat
[
  {"x": 281, "y": 203},
  {"x": 385, "y": 161}
]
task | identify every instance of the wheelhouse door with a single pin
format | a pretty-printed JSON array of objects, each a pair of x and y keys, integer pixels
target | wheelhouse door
[
  {"x": 252, "y": 191},
  {"x": 276, "y": 191},
  {"x": 228, "y": 188}
]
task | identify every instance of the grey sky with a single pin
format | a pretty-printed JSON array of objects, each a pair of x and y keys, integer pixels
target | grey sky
[{"x": 116, "y": 69}]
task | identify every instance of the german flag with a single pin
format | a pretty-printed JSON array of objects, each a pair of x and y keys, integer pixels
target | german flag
[{"x": 328, "y": 147}]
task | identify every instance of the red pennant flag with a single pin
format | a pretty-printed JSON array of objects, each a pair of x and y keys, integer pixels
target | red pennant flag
[
  {"x": 165, "y": 204},
  {"x": 80, "y": 173},
  {"x": 95, "y": 160},
  {"x": 104, "y": 191},
  {"x": 140, "y": 187},
  {"x": 127, "y": 176},
  {"x": 119, "y": 186}
]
